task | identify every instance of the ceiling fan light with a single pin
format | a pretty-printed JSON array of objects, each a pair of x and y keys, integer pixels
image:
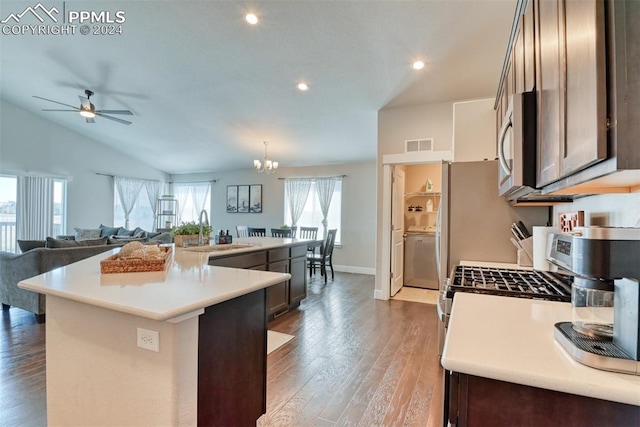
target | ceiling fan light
[{"x": 87, "y": 114}]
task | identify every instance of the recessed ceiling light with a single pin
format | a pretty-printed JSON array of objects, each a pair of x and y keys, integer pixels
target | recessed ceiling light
[
  {"x": 303, "y": 87},
  {"x": 251, "y": 18},
  {"x": 418, "y": 65}
]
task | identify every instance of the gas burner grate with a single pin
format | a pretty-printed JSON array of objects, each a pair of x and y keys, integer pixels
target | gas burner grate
[{"x": 514, "y": 283}]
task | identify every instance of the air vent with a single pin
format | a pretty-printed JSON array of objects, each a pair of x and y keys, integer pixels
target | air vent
[{"x": 415, "y": 145}]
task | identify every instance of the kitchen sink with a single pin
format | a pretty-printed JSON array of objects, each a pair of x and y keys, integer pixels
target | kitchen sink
[{"x": 215, "y": 248}]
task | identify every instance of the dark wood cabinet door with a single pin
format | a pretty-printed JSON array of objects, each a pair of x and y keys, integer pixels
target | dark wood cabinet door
[
  {"x": 549, "y": 86},
  {"x": 473, "y": 402},
  {"x": 232, "y": 362},
  {"x": 517, "y": 56},
  {"x": 298, "y": 282},
  {"x": 585, "y": 106},
  {"x": 278, "y": 295},
  {"x": 528, "y": 34}
]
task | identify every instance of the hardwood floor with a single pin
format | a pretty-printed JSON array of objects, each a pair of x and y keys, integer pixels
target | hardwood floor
[
  {"x": 354, "y": 361},
  {"x": 22, "y": 370}
]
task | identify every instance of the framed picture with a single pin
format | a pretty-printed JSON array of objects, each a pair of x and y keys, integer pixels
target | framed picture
[
  {"x": 232, "y": 198},
  {"x": 255, "y": 197},
  {"x": 243, "y": 198}
]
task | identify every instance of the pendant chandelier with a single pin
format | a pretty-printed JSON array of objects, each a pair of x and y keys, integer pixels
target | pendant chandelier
[{"x": 267, "y": 166}]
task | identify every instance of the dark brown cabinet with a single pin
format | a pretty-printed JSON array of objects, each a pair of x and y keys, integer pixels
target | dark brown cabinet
[
  {"x": 283, "y": 296},
  {"x": 475, "y": 401},
  {"x": 571, "y": 87}
]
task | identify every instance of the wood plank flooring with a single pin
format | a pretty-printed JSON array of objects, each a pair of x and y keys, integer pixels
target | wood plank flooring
[{"x": 354, "y": 361}]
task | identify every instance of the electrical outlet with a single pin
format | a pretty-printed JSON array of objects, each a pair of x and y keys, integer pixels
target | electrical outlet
[{"x": 149, "y": 340}]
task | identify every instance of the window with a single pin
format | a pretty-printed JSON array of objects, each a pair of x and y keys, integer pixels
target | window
[
  {"x": 141, "y": 215},
  {"x": 37, "y": 226},
  {"x": 59, "y": 206},
  {"x": 312, "y": 214},
  {"x": 187, "y": 193},
  {"x": 8, "y": 186}
]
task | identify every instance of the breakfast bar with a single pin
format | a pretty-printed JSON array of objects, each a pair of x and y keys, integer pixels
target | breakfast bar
[{"x": 184, "y": 346}]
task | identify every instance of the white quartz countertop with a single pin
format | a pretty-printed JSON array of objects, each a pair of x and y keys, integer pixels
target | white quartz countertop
[
  {"x": 189, "y": 284},
  {"x": 511, "y": 339}
]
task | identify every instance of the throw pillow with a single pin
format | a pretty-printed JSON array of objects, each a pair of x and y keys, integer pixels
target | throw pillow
[
  {"x": 58, "y": 243},
  {"x": 27, "y": 245},
  {"x": 87, "y": 233},
  {"x": 151, "y": 234},
  {"x": 125, "y": 232},
  {"x": 119, "y": 240},
  {"x": 106, "y": 231},
  {"x": 139, "y": 232}
]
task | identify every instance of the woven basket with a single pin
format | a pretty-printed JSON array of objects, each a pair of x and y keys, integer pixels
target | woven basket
[{"x": 113, "y": 264}]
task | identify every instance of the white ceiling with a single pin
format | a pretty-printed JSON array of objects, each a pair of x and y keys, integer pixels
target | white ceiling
[{"x": 206, "y": 88}]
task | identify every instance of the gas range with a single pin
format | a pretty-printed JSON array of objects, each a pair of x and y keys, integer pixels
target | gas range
[{"x": 507, "y": 282}]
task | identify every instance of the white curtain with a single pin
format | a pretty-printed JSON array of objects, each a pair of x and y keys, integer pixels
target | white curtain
[
  {"x": 297, "y": 191},
  {"x": 153, "y": 192},
  {"x": 128, "y": 192},
  {"x": 181, "y": 192},
  {"x": 34, "y": 210},
  {"x": 199, "y": 194},
  {"x": 324, "y": 190}
]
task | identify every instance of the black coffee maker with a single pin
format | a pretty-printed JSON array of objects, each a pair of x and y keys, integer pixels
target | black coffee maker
[{"x": 605, "y": 330}]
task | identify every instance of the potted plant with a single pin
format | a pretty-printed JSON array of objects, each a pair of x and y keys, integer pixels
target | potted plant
[{"x": 189, "y": 231}]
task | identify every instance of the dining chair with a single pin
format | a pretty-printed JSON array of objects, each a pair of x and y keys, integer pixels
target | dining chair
[
  {"x": 256, "y": 232},
  {"x": 308, "y": 233},
  {"x": 242, "y": 231},
  {"x": 281, "y": 232},
  {"x": 325, "y": 257}
]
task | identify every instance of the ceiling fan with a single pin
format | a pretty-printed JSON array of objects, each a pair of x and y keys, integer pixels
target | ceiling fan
[{"x": 88, "y": 110}]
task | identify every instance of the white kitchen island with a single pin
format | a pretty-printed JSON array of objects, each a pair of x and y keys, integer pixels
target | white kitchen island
[
  {"x": 505, "y": 357},
  {"x": 211, "y": 321}
]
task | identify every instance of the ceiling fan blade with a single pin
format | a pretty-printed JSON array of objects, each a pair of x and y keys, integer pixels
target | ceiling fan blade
[
  {"x": 47, "y": 109},
  {"x": 85, "y": 102},
  {"x": 127, "y": 112},
  {"x": 56, "y": 102},
  {"x": 90, "y": 120},
  {"x": 124, "y": 122}
]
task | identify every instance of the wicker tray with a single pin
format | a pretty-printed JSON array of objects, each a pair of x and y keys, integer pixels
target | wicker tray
[{"x": 113, "y": 264}]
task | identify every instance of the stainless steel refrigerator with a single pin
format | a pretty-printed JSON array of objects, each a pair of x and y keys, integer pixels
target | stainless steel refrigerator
[{"x": 474, "y": 222}]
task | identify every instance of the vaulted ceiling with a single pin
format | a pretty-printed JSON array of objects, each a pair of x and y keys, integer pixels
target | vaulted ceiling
[{"x": 206, "y": 88}]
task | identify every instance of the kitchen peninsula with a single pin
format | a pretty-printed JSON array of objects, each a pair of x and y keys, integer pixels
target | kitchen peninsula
[{"x": 209, "y": 364}]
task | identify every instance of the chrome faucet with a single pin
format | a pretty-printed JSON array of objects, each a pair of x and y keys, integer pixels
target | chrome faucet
[{"x": 200, "y": 236}]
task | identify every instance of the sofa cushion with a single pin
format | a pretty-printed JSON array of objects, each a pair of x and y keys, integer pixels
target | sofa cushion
[
  {"x": 57, "y": 243},
  {"x": 139, "y": 232},
  {"x": 87, "y": 233},
  {"x": 106, "y": 231},
  {"x": 27, "y": 245}
]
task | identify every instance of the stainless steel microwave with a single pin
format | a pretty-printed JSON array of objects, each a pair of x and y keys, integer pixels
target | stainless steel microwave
[{"x": 517, "y": 147}]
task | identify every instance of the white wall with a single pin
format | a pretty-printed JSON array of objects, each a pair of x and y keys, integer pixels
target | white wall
[
  {"x": 614, "y": 210},
  {"x": 357, "y": 252},
  {"x": 30, "y": 144}
]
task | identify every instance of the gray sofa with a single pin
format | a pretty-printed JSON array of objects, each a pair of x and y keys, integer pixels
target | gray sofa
[{"x": 17, "y": 267}]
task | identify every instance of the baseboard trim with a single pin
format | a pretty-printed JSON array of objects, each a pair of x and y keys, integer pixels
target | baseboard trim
[
  {"x": 356, "y": 270},
  {"x": 378, "y": 294}
]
